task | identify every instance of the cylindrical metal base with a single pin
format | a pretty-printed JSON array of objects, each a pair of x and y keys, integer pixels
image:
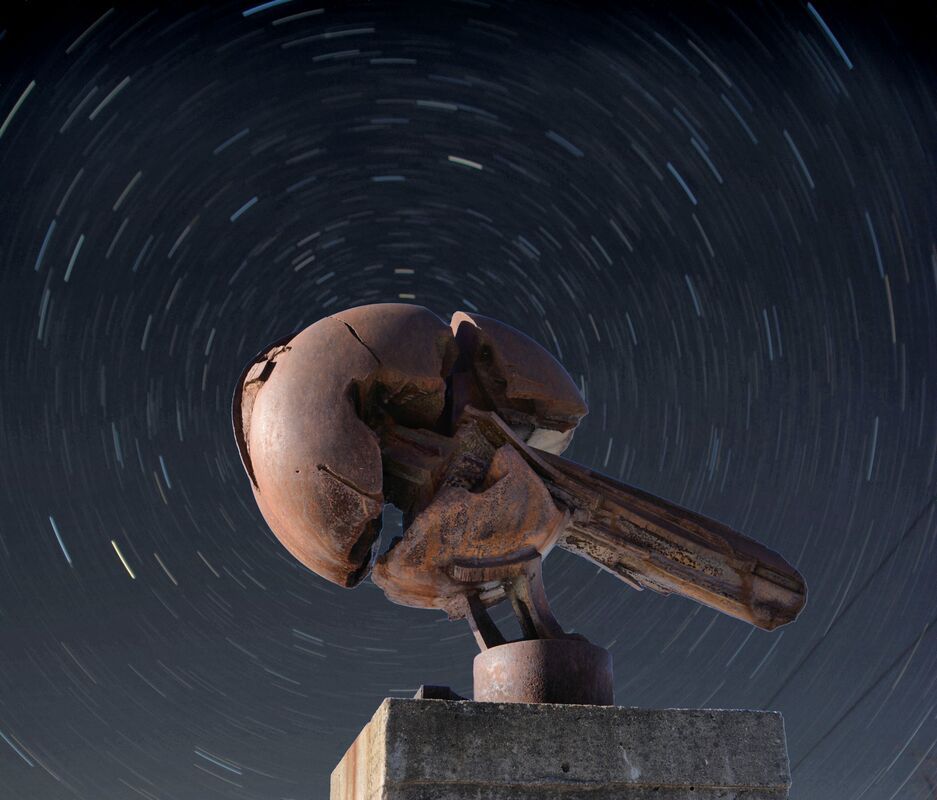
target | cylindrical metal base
[{"x": 545, "y": 671}]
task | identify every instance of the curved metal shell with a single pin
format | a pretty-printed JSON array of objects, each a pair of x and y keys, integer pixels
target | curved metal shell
[
  {"x": 415, "y": 351},
  {"x": 512, "y": 374},
  {"x": 300, "y": 423}
]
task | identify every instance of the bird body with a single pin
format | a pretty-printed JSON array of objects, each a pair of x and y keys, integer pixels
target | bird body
[{"x": 462, "y": 428}]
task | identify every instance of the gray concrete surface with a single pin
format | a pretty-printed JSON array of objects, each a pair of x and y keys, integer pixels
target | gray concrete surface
[{"x": 452, "y": 750}]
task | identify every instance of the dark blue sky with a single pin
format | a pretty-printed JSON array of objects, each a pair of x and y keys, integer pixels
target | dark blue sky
[{"x": 720, "y": 219}]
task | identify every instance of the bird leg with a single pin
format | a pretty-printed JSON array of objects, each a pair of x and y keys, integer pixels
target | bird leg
[
  {"x": 524, "y": 588},
  {"x": 530, "y": 604},
  {"x": 483, "y": 626}
]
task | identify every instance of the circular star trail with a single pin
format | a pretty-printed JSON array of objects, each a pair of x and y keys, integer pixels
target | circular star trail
[{"x": 719, "y": 218}]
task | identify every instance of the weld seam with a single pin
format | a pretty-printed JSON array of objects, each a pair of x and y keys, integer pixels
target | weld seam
[{"x": 376, "y": 496}]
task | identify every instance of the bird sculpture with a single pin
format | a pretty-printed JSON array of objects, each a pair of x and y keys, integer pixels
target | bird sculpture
[{"x": 462, "y": 427}]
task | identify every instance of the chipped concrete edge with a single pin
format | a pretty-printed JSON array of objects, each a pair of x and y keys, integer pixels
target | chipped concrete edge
[{"x": 361, "y": 772}]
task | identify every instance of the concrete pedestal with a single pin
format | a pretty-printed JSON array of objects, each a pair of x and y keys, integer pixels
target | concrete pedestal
[{"x": 462, "y": 750}]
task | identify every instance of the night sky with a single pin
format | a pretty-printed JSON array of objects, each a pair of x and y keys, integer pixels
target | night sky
[{"x": 722, "y": 221}]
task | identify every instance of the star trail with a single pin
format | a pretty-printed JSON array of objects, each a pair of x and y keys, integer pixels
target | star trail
[{"x": 721, "y": 218}]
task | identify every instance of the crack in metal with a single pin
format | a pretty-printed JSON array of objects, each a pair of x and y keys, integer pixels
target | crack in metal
[{"x": 355, "y": 334}]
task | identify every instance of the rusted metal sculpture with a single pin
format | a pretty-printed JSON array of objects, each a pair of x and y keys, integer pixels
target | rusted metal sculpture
[{"x": 461, "y": 427}]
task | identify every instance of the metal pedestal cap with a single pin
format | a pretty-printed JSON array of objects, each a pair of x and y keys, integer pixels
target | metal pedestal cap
[{"x": 571, "y": 671}]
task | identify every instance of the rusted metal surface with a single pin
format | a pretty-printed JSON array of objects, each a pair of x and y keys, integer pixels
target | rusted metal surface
[
  {"x": 504, "y": 370},
  {"x": 309, "y": 412},
  {"x": 461, "y": 426},
  {"x": 481, "y": 527},
  {"x": 545, "y": 671},
  {"x": 651, "y": 543},
  {"x": 305, "y": 416},
  {"x": 644, "y": 540}
]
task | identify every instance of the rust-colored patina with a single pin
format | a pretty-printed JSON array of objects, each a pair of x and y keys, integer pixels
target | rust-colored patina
[
  {"x": 545, "y": 671},
  {"x": 462, "y": 427}
]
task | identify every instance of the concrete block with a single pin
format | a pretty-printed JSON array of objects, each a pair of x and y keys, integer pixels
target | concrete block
[{"x": 452, "y": 750}]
